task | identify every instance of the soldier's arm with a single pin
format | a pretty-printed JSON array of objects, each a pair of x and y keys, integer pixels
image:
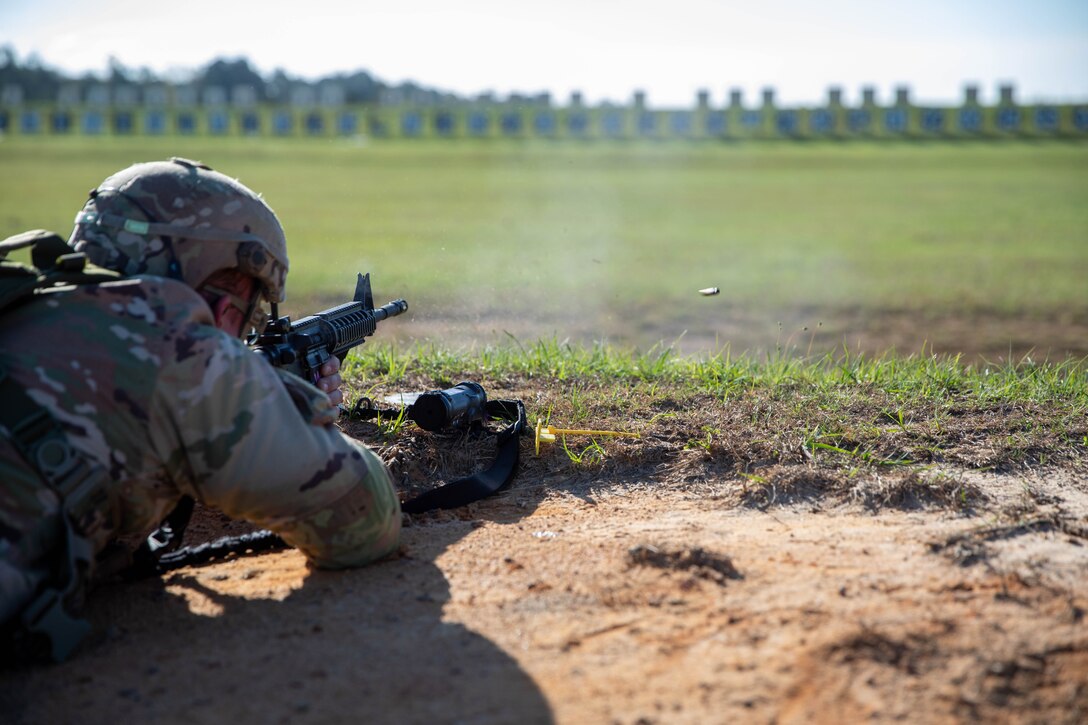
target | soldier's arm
[{"x": 262, "y": 446}]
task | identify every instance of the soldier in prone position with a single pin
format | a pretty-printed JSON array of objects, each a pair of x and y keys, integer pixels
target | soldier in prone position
[{"x": 148, "y": 382}]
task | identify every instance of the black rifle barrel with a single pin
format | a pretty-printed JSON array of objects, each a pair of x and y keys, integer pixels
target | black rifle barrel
[
  {"x": 302, "y": 347},
  {"x": 341, "y": 328}
]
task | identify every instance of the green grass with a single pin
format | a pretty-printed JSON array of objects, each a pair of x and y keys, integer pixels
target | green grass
[
  {"x": 911, "y": 378},
  {"x": 844, "y": 413},
  {"x": 616, "y": 229}
]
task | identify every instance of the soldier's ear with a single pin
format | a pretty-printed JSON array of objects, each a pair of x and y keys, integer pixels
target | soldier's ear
[{"x": 220, "y": 308}]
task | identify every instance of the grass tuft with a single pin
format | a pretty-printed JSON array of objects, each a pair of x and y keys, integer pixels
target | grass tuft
[{"x": 876, "y": 431}]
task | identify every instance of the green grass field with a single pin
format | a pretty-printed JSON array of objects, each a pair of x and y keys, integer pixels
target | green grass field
[{"x": 613, "y": 231}]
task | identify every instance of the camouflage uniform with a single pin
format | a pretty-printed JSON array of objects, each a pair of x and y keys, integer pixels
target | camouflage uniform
[{"x": 142, "y": 382}]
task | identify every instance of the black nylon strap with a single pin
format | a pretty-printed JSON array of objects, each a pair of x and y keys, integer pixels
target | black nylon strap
[
  {"x": 480, "y": 485},
  {"x": 146, "y": 560}
]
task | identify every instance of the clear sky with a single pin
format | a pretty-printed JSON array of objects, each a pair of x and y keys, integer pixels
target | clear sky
[{"x": 669, "y": 48}]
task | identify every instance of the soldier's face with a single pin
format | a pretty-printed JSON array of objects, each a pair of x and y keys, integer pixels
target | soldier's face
[{"x": 233, "y": 297}]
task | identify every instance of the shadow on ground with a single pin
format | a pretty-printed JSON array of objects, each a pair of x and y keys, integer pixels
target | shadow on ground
[{"x": 368, "y": 645}]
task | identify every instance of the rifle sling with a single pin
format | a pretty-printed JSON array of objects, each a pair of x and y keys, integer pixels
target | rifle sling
[
  {"x": 163, "y": 541},
  {"x": 480, "y": 485}
]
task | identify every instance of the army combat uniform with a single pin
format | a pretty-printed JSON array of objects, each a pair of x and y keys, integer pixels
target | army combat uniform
[{"x": 145, "y": 385}]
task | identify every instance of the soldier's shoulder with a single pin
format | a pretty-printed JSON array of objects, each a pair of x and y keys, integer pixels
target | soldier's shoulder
[
  {"x": 170, "y": 291},
  {"x": 138, "y": 321},
  {"x": 141, "y": 300}
]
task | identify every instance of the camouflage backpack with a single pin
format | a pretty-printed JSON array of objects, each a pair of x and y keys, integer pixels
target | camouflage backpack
[
  {"x": 47, "y": 627},
  {"x": 53, "y": 264}
]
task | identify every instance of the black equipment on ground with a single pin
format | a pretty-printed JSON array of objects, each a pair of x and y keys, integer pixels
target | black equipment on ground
[
  {"x": 455, "y": 407},
  {"x": 461, "y": 406}
]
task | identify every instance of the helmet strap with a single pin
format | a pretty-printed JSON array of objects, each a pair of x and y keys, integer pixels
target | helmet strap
[{"x": 173, "y": 267}]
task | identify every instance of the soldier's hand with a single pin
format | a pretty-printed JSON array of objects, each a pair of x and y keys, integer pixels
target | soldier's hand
[{"x": 329, "y": 380}]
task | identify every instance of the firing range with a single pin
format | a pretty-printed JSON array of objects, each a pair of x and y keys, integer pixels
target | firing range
[{"x": 328, "y": 110}]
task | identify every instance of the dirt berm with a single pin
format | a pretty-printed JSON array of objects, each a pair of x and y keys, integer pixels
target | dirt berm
[{"x": 579, "y": 600}]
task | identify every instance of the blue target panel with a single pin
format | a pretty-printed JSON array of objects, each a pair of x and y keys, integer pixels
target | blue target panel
[
  {"x": 1046, "y": 119},
  {"x": 251, "y": 123},
  {"x": 751, "y": 120},
  {"x": 680, "y": 123},
  {"x": 347, "y": 123},
  {"x": 122, "y": 122},
  {"x": 970, "y": 120},
  {"x": 186, "y": 123},
  {"x": 544, "y": 123},
  {"x": 444, "y": 123},
  {"x": 577, "y": 124},
  {"x": 859, "y": 120},
  {"x": 511, "y": 123},
  {"x": 218, "y": 122},
  {"x": 5, "y": 121},
  {"x": 715, "y": 123},
  {"x": 612, "y": 125},
  {"x": 1080, "y": 118},
  {"x": 647, "y": 123},
  {"x": 1008, "y": 119},
  {"x": 821, "y": 121},
  {"x": 60, "y": 122},
  {"x": 282, "y": 123},
  {"x": 315, "y": 124},
  {"x": 30, "y": 122},
  {"x": 478, "y": 123},
  {"x": 932, "y": 120},
  {"x": 786, "y": 123},
  {"x": 895, "y": 120},
  {"x": 155, "y": 123},
  {"x": 93, "y": 123},
  {"x": 411, "y": 123}
]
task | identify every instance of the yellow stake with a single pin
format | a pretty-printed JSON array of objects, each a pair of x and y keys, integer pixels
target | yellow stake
[{"x": 548, "y": 434}]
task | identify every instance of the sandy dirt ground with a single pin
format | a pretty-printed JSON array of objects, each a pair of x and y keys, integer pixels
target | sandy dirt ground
[{"x": 594, "y": 601}]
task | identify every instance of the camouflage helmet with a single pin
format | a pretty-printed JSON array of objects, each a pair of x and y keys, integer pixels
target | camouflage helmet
[{"x": 181, "y": 219}]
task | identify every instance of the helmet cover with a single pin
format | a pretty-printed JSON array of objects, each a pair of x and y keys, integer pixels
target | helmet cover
[{"x": 181, "y": 219}]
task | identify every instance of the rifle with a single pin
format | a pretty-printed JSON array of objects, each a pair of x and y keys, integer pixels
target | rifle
[{"x": 303, "y": 347}]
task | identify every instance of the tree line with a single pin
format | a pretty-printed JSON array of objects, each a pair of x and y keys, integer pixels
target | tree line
[{"x": 43, "y": 83}]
